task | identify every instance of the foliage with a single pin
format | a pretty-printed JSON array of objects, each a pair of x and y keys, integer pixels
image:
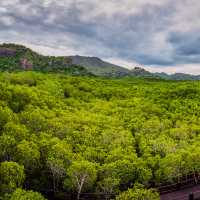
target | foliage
[
  {"x": 20, "y": 194},
  {"x": 82, "y": 175},
  {"x": 138, "y": 193},
  {"x": 12, "y": 176},
  {"x": 59, "y": 132}
]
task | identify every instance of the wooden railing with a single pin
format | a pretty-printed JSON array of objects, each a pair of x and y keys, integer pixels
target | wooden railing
[
  {"x": 184, "y": 182},
  {"x": 177, "y": 186}
]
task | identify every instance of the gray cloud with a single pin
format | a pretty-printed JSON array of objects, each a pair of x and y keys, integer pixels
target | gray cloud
[
  {"x": 148, "y": 32},
  {"x": 186, "y": 44}
]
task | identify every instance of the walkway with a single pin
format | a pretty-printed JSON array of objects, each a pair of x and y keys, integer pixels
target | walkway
[{"x": 182, "y": 194}]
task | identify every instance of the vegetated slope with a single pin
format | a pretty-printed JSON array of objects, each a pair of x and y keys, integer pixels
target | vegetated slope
[
  {"x": 107, "y": 134},
  {"x": 178, "y": 76},
  {"x": 99, "y": 67},
  {"x": 16, "y": 57},
  {"x": 140, "y": 72},
  {"x": 102, "y": 68}
]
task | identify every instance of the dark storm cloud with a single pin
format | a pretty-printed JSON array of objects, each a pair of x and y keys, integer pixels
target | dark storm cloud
[
  {"x": 148, "y": 32},
  {"x": 186, "y": 44}
]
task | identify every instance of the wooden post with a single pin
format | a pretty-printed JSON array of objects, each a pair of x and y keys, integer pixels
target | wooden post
[{"x": 191, "y": 196}]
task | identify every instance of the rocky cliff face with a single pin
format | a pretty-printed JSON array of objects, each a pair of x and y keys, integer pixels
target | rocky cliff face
[
  {"x": 26, "y": 64},
  {"x": 7, "y": 52}
]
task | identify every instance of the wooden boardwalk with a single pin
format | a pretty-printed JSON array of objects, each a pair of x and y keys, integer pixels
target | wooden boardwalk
[{"x": 182, "y": 194}]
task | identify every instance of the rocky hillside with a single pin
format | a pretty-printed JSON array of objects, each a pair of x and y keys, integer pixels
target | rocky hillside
[{"x": 17, "y": 57}]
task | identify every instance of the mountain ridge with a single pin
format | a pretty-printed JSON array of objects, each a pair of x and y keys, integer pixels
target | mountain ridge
[
  {"x": 18, "y": 57},
  {"x": 99, "y": 66}
]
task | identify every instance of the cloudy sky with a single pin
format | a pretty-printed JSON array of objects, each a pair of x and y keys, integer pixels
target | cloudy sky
[{"x": 161, "y": 35}]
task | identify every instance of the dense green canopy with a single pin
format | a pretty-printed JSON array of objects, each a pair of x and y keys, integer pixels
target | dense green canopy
[{"x": 87, "y": 134}]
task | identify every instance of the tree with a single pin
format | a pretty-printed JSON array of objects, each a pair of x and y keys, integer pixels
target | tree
[
  {"x": 28, "y": 154},
  {"x": 58, "y": 159},
  {"x": 192, "y": 164},
  {"x": 35, "y": 119},
  {"x": 138, "y": 192},
  {"x": 11, "y": 176},
  {"x": 21, "y": 96},
  {"x": 82, "y": 175},
  {"x": 5, "y": 116},
  {"x": 126, "y": 171},
  {"x": 7, "y": 147},
  {"x": 172, "y": 168},
  {"x": 108, "y": 185},
  {"x": 20, "y": 194},
  {"x": 18, "y": 131}
]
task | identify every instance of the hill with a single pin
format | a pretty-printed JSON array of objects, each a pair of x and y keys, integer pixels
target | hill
[
  {"x": 99, "y": 67},
  {"x": 178, "y": 76},
  {"x": 140, "y": 72},
  {"x": 17, "y": 57}
]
